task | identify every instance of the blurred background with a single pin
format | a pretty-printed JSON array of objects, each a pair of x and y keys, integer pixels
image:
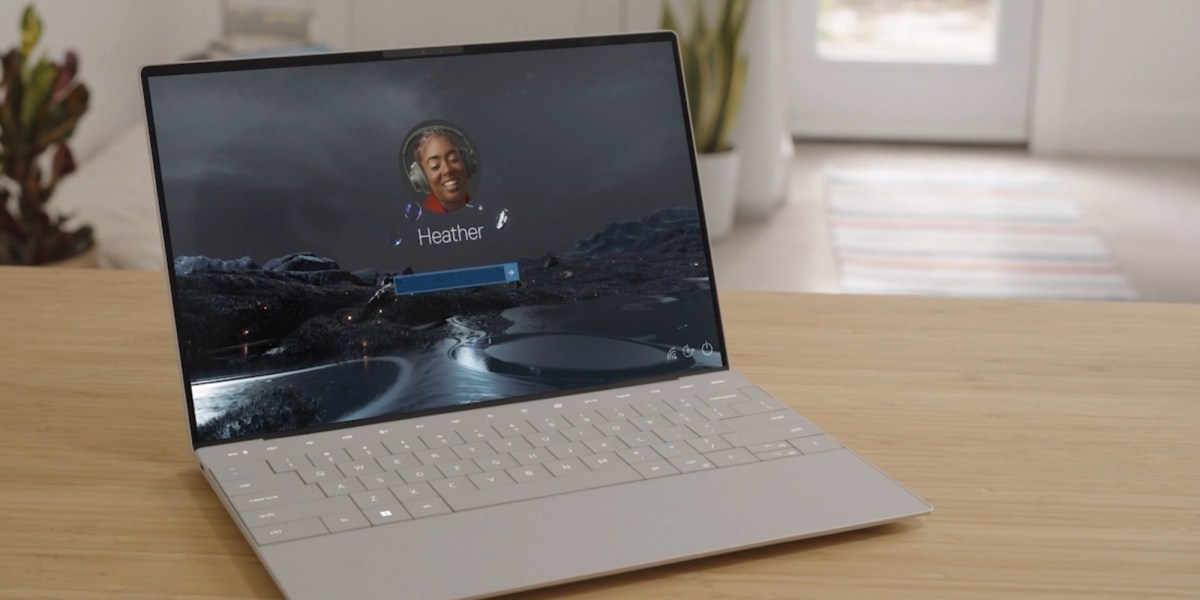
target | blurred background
[{"x": 995, "y": 148}]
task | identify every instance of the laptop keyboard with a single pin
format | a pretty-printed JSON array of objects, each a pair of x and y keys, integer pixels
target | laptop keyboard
[{"x": 376, "y": 475}]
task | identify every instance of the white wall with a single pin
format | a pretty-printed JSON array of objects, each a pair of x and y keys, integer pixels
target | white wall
[
  {"x": 113, "y": 39},
  {"x": 386, "y": 24},
  {"x": 1118, "y": 78}
]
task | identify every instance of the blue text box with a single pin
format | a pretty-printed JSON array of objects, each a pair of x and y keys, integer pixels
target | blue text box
[{"x": 455, "y": 278}]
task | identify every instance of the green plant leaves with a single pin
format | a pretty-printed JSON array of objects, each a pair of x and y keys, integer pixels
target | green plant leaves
[
  {"x": 31, "y": 29},
  {"x": 713, "y": 70}
]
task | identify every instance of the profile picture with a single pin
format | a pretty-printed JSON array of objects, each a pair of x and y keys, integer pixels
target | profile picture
[{"x": 440, "y": 163}]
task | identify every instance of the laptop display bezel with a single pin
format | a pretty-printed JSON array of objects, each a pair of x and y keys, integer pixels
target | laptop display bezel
[{"x": 280, "y": 62}]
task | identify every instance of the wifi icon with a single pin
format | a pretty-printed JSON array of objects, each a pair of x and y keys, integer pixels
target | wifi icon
[{"x": 672, "y": 354}]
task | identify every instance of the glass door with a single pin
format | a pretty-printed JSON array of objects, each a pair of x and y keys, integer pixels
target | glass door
[{"x": 923, "y": 70}]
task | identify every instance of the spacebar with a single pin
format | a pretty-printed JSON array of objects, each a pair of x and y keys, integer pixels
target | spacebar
[{"x": 543, "y": 487}]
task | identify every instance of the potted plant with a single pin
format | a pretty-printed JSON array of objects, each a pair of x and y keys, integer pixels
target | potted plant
[
  {"x": 42, "y": 105},
  {"x": 714, "y": 73}
]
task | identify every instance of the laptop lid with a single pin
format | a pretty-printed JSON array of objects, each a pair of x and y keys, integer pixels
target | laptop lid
[{"x": 376, "y": 235}]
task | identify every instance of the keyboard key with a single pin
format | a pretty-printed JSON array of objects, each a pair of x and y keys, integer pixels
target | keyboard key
[
  {"x": 769, "y": 446},
  {"x": 584, "y": 432},
  {"x": 419, "y": 474},
  {"x": 295, "y": 512},
  {"x": 707, "y": 429},
  {"x": 506, "y": 445},
  {"x": 345, "y": 521},
  {"x": 602, "y": 461},
  {"x": 675, "y": 433},
  {"x": 638, "y": 455},
  {"x": 685, "y": 417},
  {"x": 773, "y": 454},
  {"x": 729, "y": 458},
  {"x": 563, "y": 451},
  {"x": 533, "y": 456},
  {"x": 453, "y": 485},
  {"x": 639, "y": 439},
  {"x": 709, "y": 444},
  {"x": 543, "y": 487},
  {"x": 585, "y": 417},
  {"x": 399, "y": 461},
  {"x": 723, "y": 397},
  {"x": 381, "y": 480},
  {"x": 263, "y": 483},
  {"x": 546, "y": 438},
  {"x": 673, "y": 449},
  {"x": 647, "y": 408},
  {"x": 548, "y": 423},
  {"x": 359, "y": 467},
  {"x": 649, "y": 423},
  {"x": 373, "y": 498},
  {"x": 754, "y": 407},
  {"x": 605, "y": 445},
  {"x": 474, "y": 450},
  {"x": 513, "y": 428},
  {"x": 405, "y": 444},
  {"x": 499, "y": 461},
  {"x": 283, "y": 532},
  {"x": 695, "y": 462},
  {"x": 815, "y": 443},
  {"x": 616, "y": 427},
  {"x": 758, "y": 394},
  {"x": 416, "y": 491},
  {"x": 315, "y": 474},
  {"x": 657, "y": 468},
  {"x": 752, "y": 422},
  {"x": 382, "y": 515},
  {"x": 528, "y": 473},
  {"x": 245, "y": 470},
  {"x": 366, "y": 452},
  {"x": 683, "y": 403},
  {"x": 478, "y": 434},
  {"x": 491, "y": 479},
  {"x": 718, "y": 412},
  {"x": 341, "y": 486},
  {"x": 771, "y": 434},
  {"x": 436, "y": 455},
  {"x": 328, "y": 457},
  {"x": 427, "y": 508},
  {"x": 441, "y": 440},
  {"x": 292, "y": 495},
  {"x": 617, "y": 413},
  {"x": 457, "y": 468},
  {"x": 284, "y": 464},
  {"x": 562, "y": 468}
]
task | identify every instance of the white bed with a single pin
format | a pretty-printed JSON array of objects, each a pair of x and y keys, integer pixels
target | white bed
[{"x": 114, "y": 192}]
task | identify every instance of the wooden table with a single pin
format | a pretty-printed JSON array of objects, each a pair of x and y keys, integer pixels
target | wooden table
[{"x": 1059, "y": 443}]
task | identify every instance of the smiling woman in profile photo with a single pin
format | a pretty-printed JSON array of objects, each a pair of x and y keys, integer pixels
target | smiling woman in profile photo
[{"x": 441, "y": 163}]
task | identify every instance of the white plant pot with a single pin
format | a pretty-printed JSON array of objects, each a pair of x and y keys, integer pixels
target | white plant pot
[
  {"x": 718, "y": 187},
  {"x": 761, "y": 132}
]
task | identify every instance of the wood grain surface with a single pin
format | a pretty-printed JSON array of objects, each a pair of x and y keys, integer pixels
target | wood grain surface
[{"x": 1059, "y": 443}]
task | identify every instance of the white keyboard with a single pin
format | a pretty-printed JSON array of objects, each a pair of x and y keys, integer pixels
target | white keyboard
[{"x": 376, "y": 475}]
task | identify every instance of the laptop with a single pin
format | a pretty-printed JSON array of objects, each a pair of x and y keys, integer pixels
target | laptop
[{"x": 448, "y": 326}]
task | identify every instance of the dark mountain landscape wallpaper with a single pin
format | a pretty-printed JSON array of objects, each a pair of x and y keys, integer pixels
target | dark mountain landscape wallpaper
[{"x": 299, "y": 341}]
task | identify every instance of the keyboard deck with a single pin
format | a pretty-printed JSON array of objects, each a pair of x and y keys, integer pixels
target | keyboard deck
[{"x": 381, "y": 474}]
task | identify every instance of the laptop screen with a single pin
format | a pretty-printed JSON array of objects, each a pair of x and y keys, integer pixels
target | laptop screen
[{"x": 367, "y": 236}]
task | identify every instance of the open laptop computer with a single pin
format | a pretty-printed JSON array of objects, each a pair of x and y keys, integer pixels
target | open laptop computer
[{"x": 448, "y": 326}]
